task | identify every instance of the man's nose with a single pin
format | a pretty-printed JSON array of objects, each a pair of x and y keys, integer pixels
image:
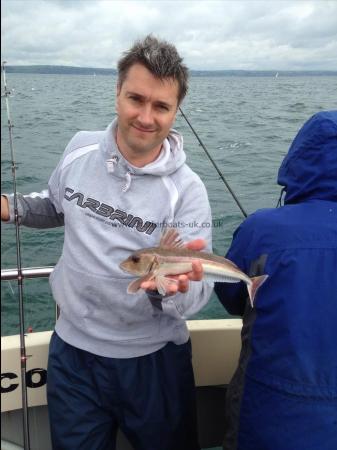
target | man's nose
[{"x": 146, "y": 115}]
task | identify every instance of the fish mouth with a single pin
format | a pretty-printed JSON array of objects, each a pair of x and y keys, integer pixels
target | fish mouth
[{"x": 124, "y": 268}]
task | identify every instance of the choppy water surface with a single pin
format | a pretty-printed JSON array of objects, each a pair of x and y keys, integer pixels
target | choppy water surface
[{"x": 246, "y": 124}]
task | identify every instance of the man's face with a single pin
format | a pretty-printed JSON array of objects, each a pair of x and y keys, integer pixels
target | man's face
[{"x": 146, "y": 108}]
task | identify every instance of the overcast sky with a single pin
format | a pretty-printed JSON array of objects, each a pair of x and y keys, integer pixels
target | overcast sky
[{"x": 282, "y": 35}]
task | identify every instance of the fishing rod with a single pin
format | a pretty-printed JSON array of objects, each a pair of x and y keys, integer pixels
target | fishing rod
[
  {"x": 23, "y": 355},
  {"x": 214, "y": 164}
]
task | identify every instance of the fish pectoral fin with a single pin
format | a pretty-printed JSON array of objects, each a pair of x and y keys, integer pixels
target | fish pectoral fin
[
  {"x": 134, "y": 286},
  {"x": 171, "y": 239},
  {"x": 163, "y": 283}
]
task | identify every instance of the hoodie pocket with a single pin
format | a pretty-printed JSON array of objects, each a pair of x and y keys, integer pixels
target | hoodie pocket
[{"x": 101, "y": 307}]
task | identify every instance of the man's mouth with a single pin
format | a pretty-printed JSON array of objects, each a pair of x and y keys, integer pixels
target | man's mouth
[{"x": 142, "y": 129}]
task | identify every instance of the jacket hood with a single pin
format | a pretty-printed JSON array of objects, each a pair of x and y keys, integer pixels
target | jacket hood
[
  {"x": 309, "y": 170},
  {"x": 169, "y": 160}
]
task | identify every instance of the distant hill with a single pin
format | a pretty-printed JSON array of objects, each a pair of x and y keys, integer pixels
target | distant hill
[
  {"x": 66, "y": 70},
  {"x": 71, "y": 70},
  {"x": 262, "y": 73}
]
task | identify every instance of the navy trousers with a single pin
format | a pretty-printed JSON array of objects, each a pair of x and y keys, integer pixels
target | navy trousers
[{"x": 150, "y": 398}]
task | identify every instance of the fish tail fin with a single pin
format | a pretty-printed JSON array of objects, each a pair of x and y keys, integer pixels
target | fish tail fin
[{"x": 254, "y": 286}]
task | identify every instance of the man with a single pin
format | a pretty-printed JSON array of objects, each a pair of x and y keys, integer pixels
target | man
[
  {"x": 283, "y": 394},
  {"x": 121, "y": 360}
]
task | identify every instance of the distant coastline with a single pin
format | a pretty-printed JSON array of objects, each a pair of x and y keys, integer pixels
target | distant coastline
[{"x": 72, "y": 70}]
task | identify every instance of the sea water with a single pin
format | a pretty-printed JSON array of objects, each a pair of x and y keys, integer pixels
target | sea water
[{"x": 246, "y": 123}]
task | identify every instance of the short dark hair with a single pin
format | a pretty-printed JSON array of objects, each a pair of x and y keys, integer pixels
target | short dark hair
[{"x": 160, "y": 58}]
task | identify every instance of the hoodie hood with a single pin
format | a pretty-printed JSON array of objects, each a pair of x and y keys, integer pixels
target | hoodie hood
[
  {"x": 171, "y": 157},
  {"x": 309, "y": 170}
]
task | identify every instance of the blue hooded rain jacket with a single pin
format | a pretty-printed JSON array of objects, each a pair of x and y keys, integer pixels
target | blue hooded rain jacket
[{"x": 283, "y": 395}]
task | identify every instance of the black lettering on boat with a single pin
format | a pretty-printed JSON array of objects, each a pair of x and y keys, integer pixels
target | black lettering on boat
[
  {"x": 35, "y": 378},
  {"x": 12, "y": 386},
  {"x": 31, "y": 380}
]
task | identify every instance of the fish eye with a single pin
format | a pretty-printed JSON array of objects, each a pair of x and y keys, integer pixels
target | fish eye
[{"x": 135, "y": 258}]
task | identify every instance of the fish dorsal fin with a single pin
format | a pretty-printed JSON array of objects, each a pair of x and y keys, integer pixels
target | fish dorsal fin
[{"x": 171, "y": 239}]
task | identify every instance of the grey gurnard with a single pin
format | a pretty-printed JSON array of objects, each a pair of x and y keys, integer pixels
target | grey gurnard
[{"x": 172, "y": 258}]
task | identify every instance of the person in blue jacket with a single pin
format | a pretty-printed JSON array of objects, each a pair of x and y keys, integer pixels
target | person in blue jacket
[{"x": 283, "y": 395}]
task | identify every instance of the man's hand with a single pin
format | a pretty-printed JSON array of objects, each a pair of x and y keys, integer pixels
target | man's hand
[
  {"x": 4, "y": 209},
  {"x": 183, "y": 280}
]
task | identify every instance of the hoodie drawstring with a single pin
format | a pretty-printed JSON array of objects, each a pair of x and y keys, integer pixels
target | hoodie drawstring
[
  {"x": 127, "y": 182},
  {"x": 111, "y": 163}
]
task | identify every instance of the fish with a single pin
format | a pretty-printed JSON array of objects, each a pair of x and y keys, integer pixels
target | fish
[{"x": 171, "y": 257}]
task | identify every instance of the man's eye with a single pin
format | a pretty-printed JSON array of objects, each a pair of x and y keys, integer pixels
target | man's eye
[
  {"x": 134, "y": 99},
  {"x": 162, "y": 107}
]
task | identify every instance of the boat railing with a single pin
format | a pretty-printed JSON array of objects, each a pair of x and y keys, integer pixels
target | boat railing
[{"x": 29, "y": 272}]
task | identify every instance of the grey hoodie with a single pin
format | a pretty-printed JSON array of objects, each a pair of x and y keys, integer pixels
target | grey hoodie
[{"x": 109, "y": 209}]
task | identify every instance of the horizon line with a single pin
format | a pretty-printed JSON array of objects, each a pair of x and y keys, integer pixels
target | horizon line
[{"x": 195, "y": 70}]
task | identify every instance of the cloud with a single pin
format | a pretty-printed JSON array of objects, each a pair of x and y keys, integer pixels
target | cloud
[{"x": 287, "y": 35}]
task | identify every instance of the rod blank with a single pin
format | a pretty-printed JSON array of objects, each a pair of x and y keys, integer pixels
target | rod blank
[
  {"x": 23, "y": 355},
  {"x": 214, "y": 164}
]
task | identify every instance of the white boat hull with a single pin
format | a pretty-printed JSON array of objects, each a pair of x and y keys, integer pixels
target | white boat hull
[{"x": 216, "y": 345}]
